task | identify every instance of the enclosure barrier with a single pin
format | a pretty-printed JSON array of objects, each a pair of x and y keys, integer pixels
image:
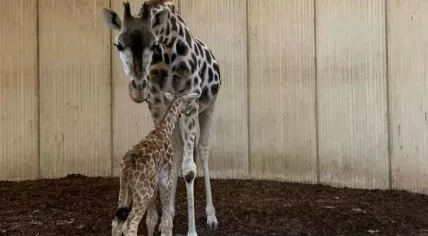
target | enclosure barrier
[{"x": 314, "y": 91}]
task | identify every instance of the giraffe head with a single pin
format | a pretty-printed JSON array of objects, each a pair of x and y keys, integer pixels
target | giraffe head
[
  {"x": 135, "y": 43},
  {"x": 185, "y": 103}
]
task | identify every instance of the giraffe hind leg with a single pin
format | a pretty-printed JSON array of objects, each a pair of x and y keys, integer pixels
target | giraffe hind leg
[
  {"x": 165, "y": 186},
  {"x": 143, "y": 190},
  {"x": 124, "y": 205},
  {"x": 141, "y": 199},
  {"x": 152, "y": 216}
]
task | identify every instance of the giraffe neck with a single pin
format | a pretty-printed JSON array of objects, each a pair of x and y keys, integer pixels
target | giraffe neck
[
  {"x": 176, "y": 30},
  {"x": 172, "y": 51},
  {"x": 169, "y": 119}
]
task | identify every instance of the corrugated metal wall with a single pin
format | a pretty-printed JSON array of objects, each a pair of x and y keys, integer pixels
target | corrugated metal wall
[
  {"x": 75, "y": 98},
  {"x": 319, "y": 91},
  {"x": 18, "y": 90},
  {"x": 282, "y": 89},
  {"x": 408, "y": 93},
  {"x": 221, "y": 24},
  {"x": 352, "y": 104}
]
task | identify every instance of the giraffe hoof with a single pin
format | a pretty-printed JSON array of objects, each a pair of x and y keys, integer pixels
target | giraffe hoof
[{"x": 212, "y": 225}]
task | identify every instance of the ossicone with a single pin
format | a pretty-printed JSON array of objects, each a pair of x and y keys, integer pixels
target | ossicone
[{"x": 126, "y": 10}]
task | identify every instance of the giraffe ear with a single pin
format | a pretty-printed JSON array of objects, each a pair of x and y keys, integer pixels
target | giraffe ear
[
  {"x": 160, "y": 19},
  {"x": 169, "y": 96},
  {"x": 190, "y": 97},
  {"x": 112, "y": 19}
]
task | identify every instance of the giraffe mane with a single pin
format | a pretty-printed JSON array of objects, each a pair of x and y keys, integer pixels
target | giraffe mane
[
  {"x": 154, "y": 3},
  {"x": 157, "y": 2}
]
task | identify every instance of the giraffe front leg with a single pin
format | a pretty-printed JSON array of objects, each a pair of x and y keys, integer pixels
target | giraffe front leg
[
  {"x": 205, "y": 122},
  {"x": 188, "y": 167}
]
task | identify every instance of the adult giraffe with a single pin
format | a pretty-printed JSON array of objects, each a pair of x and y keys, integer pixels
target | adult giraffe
[{"x": 159, "y": 55}]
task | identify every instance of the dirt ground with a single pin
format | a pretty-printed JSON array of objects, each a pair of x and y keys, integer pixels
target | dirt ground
[{"x": 77, "y": 205}]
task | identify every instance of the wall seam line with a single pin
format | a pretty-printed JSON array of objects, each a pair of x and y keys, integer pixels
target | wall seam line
[
  {"x": 111, "y": 101},
  {"x": 388, "y": 102},
  {"x": 318, "y": 169},
  {"x": 179, "y": 7},
  {"x": 248, "y": 91},
  {"x": 39, "y": 164}
]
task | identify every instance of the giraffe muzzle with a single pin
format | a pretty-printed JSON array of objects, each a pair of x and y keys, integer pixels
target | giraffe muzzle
[
  {"x": 138, "y": 85},
  {"x": 138, "y": 90}
]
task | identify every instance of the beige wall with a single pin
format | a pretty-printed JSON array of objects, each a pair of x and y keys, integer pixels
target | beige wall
[
  {"x": 75, "y": 98},
  {"x": 282, "y": 90},
  {"x": 18, "y": 90},
  {"x": 352, "y": 105},
  {"x": 230, "y": 131},
  {"x": 408, "y": 81},
  {"x": 318, "y": 91}
]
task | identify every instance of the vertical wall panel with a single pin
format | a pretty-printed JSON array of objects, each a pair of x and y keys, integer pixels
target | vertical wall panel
[
  {"x": 131, "y": 121},
  {"x": 353, "y": 145},
  {"x": 18, "y": 90},
  {"x": 74, "y": 88},
  {"x": 221, "y": 25},
  {"x": 282, "y": 89},
  {"x": 408, "y": 63}
]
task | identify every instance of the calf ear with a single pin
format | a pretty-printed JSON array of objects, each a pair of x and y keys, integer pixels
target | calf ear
[
  {"x": 112, "y": 19},
  {"x": 169, "y": 96},
  {"x": 190, "y": 97}
]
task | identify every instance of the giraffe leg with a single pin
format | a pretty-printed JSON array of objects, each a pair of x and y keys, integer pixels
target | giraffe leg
[
  {"x": 152, "y": 216},
  {"x": 177, "y": 160},
  {"x": 166, "y": 224},
  {"x": 126, "y": 224},
  {"x": 142, "y": 193},
  {"x": 205, "y": 122},
  {"x": 124, "y": 203},
  {"x": 188, "y": 167},
  {"x": 141, "y": 199}
]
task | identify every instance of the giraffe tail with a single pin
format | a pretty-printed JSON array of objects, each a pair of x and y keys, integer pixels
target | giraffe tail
[
  {"x": 125, "y": 199},
  {"x": 122, "y": 213}
]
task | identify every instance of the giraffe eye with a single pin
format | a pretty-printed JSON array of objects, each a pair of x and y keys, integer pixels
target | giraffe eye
[{"x": 119, "y": 46}]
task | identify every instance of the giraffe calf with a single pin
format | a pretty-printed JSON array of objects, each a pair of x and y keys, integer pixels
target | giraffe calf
[{"x": 147, "y": 168}]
